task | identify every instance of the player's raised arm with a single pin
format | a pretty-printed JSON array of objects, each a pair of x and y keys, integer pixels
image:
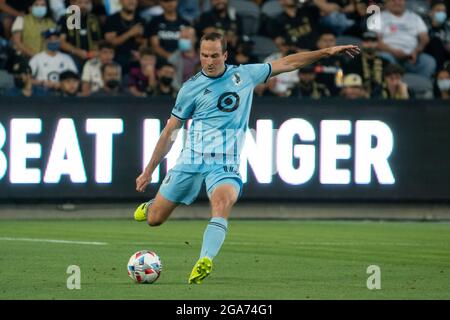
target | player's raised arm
[
  {"x": 301, "y": 59},
  {"x": 163, "y": 146}
]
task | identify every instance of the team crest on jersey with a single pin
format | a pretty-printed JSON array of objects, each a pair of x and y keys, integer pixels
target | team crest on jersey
[
  {"x": 228, "y": 102},
  {"x": 236, "y": 78}
]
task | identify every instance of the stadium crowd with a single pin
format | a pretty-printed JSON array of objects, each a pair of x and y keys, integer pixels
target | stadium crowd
[{"x": 148, "y": 48}]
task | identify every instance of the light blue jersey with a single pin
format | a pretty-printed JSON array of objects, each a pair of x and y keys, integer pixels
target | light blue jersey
[{"x": 220, "y": 109}]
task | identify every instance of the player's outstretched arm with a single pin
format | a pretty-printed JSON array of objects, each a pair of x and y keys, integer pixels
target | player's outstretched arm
[
  {"x": 162, "y": 148},
  {"x": 298, "y": 60}
]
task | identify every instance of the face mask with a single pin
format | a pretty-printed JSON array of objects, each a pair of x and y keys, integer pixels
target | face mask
[
  {"x": 444, "y": 84},
  {"x": 112, "y": 84},
  {"x": 166, "y": 81},
  {"x": 184, "y": 45},
  {"x": 53, "y": 45},
  {"x": 38, "y": 11},
  {"x": 440, "y": 17},
  {"x": 19, "y": 83}
]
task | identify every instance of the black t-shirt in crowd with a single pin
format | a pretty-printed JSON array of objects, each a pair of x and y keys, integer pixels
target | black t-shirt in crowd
[
  {"x": 301, "y": 30},
  {"x": 87, "y": 37},
  {"x": 167, "y": 31},
  {"x": 326, "y": 70},
  {"x": 116, "y": 23},
  {"x": 20, "y": 5},
  {"x": 211, "y": 18},
  {"x": 370, "y": 69}
]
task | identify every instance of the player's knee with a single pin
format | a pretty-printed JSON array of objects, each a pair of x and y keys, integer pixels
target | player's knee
[
  {"x": 155, "y": 217},
  {"x": 222, "y": 203}
]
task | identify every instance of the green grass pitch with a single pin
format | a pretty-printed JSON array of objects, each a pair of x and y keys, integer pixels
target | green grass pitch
[{"x": 261, "y": 259}]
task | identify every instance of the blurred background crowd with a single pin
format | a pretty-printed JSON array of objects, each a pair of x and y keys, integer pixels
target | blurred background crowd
[{"x": 147, "y": 48}]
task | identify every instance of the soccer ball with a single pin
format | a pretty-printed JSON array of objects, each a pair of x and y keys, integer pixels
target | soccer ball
[{"x": 144, "y": 267}]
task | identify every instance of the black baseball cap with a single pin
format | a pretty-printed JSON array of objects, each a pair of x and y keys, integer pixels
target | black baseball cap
[
  {"x": 50, "y": 32},
  {"x": 308, "y": 69},
  {"x": 65, "y": 75}
]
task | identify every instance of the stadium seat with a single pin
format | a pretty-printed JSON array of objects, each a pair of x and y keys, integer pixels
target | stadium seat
[
  {"x": 249, "y": 12},
  {"x": 263, "y": 47},
  {"x": 272, "y": 8},
  {"x": 420, "y": 85},
  {"x": 343, "y": 40}
]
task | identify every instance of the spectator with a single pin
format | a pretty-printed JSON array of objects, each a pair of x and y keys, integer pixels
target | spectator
[
  {"x": 148, "y": 9},
  {"x": 186, "y": 58},
  {"x": 23, "y": 84},
  {"x": 403, "y": 38},
  {"x": 297, "y": 26},
  {"x": 308, "y": 87},
  {"x": 327, "y": 69},
  {"x": 125, "y": 30},
  {"x": 92, "y": 75},
  {"x": 369, "y": 65},
  {"x": 243, "y": 54},
  {"x": 439, "y": 32},
  {"x": 164, "y": 30},
  {"x": 112, "y": 77},
  {"x": 394, "y": 87},
  {"x": 81, "y": 44},
  {"x": 342, "y": 15},
  {"x": 11, "y": 9},
  {"x": 282, "y": 83},
  {"x": 27, "y": 30},
  {"x": 165, "y": 74},
  {"x": 353, "y": 87},
  {"x": 58, "y": 8},
  {"x": 223, "y": 19},
  {"x": 442, "y": 85},
  {"x": 47, "y": 65},
  {"x": 70, "y": 84},
  {"x": 266, "y": 89},
  {"x": 190, "y": 10},
  {"x": 143, "y": 79}
]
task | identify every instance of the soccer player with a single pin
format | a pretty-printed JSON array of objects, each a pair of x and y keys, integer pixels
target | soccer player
[{"x": 218, "y": 100}]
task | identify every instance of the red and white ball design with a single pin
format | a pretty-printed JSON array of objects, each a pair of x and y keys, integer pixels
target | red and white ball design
[{"x": 144, "y": 267}]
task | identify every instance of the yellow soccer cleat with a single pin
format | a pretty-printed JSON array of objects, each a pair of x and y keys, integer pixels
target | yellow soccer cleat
[
  {"x": 201, "y": 270},
  {"x": 140, "y": 214}
]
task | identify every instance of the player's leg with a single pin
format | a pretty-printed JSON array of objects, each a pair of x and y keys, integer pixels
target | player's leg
[
  {"x": 178, "y": 187},
  {"x": 160, "y": 210},
  {"x": 223, "y": 195},
  {"x": 155, "y": 211}
]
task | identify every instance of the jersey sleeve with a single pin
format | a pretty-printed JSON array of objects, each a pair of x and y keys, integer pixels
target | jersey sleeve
[
  {"x": 258, "y": 72},
  {"x": 184, "y": 104}
]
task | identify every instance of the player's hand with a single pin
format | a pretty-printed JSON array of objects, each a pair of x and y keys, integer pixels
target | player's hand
[
  {"x": 142, "y": 181},
  {"x": 350, "y": 50}
]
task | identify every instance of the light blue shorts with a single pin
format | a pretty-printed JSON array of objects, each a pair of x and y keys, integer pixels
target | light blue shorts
[{"x": 181, "y": 186}]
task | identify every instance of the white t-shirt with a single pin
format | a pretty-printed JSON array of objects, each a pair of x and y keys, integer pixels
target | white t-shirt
[
  {"x": 46, "y": 67},
  {"x": 17, "y": 25},
  {"x": 283, "y": 81},
  {"x": 402, "y": 32},
  {"x": 92, "y": 74}
]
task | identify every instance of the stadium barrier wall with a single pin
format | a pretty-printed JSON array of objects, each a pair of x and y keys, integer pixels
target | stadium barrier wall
[{"x": 93, "y": 149}]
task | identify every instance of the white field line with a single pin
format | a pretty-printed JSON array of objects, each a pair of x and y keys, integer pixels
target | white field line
[{"x": 92, "y": 243}]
